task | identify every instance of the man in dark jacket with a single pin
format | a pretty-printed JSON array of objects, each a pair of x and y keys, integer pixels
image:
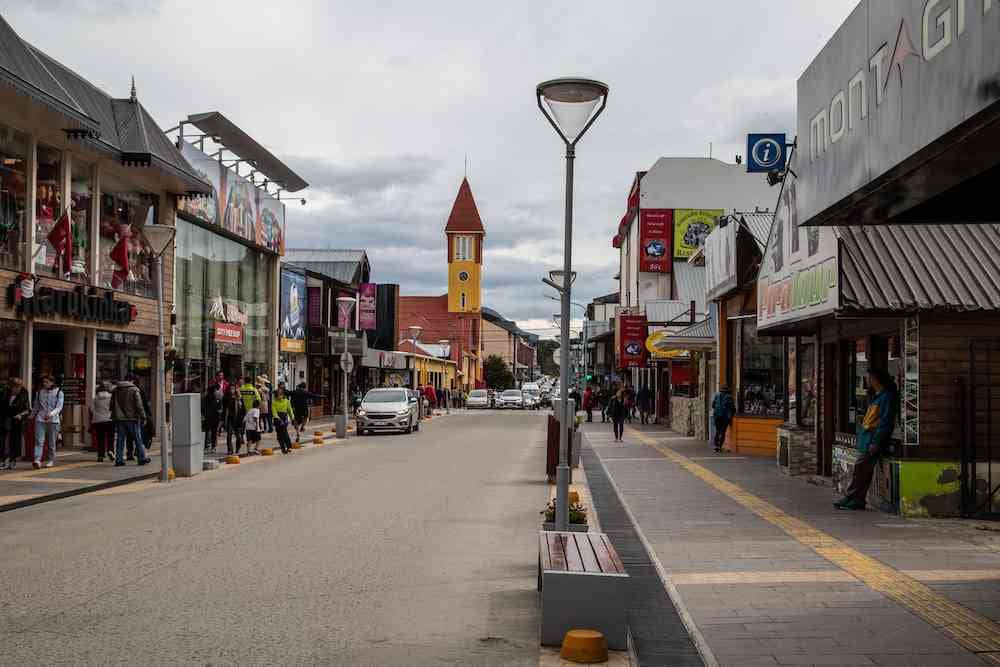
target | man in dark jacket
[
  {"x": 723, "y": 410},
  {"x": 645, "y": 399},
  {"x": 14, "y": 409},
  {"x": 300, "y": 398},
  {"x": 874, "y": 433},
  {"x": 128, "y": 413}
]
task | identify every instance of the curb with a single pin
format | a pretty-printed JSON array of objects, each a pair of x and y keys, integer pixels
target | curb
[{"x": 38, "y": 500}]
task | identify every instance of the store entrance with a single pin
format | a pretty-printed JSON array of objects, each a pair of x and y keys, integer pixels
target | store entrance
[
  {"x": 231, "y": 366},
  {"x": 49, "y": 357}
]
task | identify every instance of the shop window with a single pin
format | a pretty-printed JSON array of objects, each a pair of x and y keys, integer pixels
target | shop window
[
  {"x": 13, "y": 196},
  {"x": 896, "y": 368},
  {"x": 858, "y": 364},
  {"x": 125, "y": 255},
  {"x": 806, "y": 382},
  {"x": 762, "y": 373},
  {"x": 81, "y": 199},
  {"x": 48, "y": 208},
  {"x": 11, "y": 344}
]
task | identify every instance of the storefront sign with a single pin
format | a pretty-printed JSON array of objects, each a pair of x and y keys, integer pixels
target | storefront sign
[
  {"x": 228, "y": 333},
  {"x": 292, "y": 311},
  {"x": 368, "y": 306},
  {"x": 73, "y": 391},
  {"x": 227, "y": 311},
  {"x": 656, "y": 228},
  {"x": 691, "y": 227},
  {"x": 800, "y": 275},
  {"x": 897, "y": 77},
  {"x": 632, "y": 341},
  {"x": 236, "y": 204},
  {"x": 84, "y": 304},
  {"x": 658, "y": 345},
  {"x": 720, "y": 261},
  {"x": 765, "y": 152}
]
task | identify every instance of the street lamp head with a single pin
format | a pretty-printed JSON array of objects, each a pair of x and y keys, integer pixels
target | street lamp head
[
  {"x": 345, "y": 300},
  {"x": 415, "y": 331},
  {"x": 159, "y": 237},
  {"x": 557, "y": 276},
  {"x": 571, "y": 103}
]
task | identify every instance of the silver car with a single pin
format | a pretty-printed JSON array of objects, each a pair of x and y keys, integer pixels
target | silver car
[
  {"x": 388, "y": 410},
  {"x": 478, "y": 398},
  {"x": 512, "y": 398}
]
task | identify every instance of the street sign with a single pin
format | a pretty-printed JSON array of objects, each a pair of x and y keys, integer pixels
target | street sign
[
  {"x": 766, "y": 152},
  {"x": 346, "y": 362}
]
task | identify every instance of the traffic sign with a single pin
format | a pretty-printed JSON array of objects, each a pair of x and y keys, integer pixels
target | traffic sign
[
  {"x": 346, "y": 362},
  {"x": 766, "y": 152}
]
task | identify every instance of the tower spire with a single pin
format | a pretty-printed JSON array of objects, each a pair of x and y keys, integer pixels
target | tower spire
[{"x": 132, "y": 96}]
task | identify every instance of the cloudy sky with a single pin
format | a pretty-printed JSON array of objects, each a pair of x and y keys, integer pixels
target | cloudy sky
[{"x": 377, "y": 105}]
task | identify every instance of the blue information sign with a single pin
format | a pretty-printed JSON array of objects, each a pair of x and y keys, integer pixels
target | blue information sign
[{"x": 766, "y": 152}]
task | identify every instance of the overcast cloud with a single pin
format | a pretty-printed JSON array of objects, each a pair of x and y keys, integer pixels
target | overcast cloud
[{"x": 377, "y": 105}]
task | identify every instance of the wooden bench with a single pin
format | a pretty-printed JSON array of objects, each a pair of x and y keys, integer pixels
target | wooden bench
[{"x": 583, "y": 582}]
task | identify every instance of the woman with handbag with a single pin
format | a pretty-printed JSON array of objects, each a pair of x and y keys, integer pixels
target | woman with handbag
[
  {"x": 14, "y": 407},
  {"x": 232, "y": 416}
]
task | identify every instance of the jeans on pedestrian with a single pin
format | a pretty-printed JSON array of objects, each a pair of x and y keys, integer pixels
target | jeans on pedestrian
[
  {"x": 267, "y": 422},
  {"x": 721, "y": 424},
  {"x": 105, "y": 435},
  {"x": 129, "y": 432},
  {"x": 619, "y": 425},
  {"x": 43, "y": 431},
  {"x": 861, "y": 478},
  {"x": 281, "y": 427},
  {"x": 211, "y": 436},
  {"x": 231, "y": 432},
  {"x": 11, "y": 442},
  {"x": 590, "y": 414}
]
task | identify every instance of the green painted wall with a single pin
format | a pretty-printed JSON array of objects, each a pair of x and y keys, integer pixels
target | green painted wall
[{"x": 929, "y": 488}]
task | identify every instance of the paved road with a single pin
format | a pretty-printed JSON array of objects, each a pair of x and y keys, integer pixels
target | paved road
[{"x": 390, "y": 550}]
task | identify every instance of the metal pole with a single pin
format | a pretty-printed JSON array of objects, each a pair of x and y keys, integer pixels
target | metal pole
[
  {"x": 344, "y": 368},
  {"x": 161, "y": 402},
  {"x": 562, "y": 470}
]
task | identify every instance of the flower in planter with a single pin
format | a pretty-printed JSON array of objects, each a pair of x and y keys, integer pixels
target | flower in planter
[{"x": 577, "y": 513}]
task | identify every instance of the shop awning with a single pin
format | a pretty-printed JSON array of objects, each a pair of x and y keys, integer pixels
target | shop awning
[{"x": 698, "y": 337}]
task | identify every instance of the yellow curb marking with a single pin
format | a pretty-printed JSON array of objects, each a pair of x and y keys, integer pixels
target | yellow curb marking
[
  {"x": 31, "y": 472},
  {"x": 58, "y": 480},
  {"x": 969, "y": 629}
]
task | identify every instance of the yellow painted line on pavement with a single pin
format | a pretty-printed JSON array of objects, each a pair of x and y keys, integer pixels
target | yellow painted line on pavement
[
  {"x": 969, "y": 629},
  {"x": 58, "y": 480},
  {"x": 31, "y": 472}
]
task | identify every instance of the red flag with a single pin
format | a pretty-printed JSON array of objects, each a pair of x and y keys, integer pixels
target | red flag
[
  {"x": 119, "y": 255},
  {"x": 61, "y": 238}
]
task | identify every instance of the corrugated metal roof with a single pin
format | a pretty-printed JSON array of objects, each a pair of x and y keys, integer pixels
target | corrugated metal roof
[
  {"x": 691, "y": 284},
  {"x": 920, "y": 267},
  {"x": 347, "y": 266},
  {"x": 663, "y": 310},
  {"x": 759, "y": 224}
]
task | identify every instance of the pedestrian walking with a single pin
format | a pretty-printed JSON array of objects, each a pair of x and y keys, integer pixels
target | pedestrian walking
[
  {"x": 300, "y": 399},
  {"x": 232, "y": 417},
  {"x": 574, "y": 395},
  {"x": 15, "y": 407},
  {"x": 221, "y": 382},
  {"x": 248, "y": 394},
  {"x": 128, "y": 414},
  {"x": 251, "y": 426},
  {"x": 104, "y": 426},
  {"x": 211, "y": 415},
  {"x": 628, "y": 397},
  {"x": 723, "y": 410},
  {"x": 616, "y": 413},
  {"x": 874, "y": 434},
  {"x": 645, "y": 400},
  {"x": 47, "y": 413},
  {"x": 588, "y": 402},
  {"x": 602, "y": 399},
  {"x": 264, "y": 389},
  {"x": 284, "y": 415},
  {"x": 147, "y": 429}
]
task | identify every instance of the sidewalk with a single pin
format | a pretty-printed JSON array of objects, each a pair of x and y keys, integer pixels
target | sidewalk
[{"x": 768, "y": 573}]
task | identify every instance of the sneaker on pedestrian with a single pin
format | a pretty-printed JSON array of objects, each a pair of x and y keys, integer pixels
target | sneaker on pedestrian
[
  {"x": 36, "y": 464},
  {"x": 119, "y": 464},
  {"x": 3, "y": 465},
  {"x": 144, "y": 462},
  {"x": 49, "y": 464},
  {"x": 12, "y": 465}
]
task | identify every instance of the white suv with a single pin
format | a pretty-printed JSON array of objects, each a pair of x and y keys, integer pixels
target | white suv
[{"x": 512, "y": 398}]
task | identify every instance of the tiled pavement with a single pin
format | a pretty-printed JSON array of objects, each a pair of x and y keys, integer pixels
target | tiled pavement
[{"x": 742, "y": 544}]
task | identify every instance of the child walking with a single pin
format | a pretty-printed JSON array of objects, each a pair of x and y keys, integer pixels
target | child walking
[{"x": 251, "y": 425}]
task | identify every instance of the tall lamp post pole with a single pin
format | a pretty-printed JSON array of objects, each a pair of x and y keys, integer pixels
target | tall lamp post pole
[
  {"x": 346, "y": 365},
  {"x": 159, "y": 238},
  {"x": 571, "y": 107}
]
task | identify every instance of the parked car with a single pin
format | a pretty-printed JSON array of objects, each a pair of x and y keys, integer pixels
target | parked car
[
  {"x": 532, "y": 395},
  {"x": 478, "y": 399},
  {"x": 512, "y": 398},
  {"x": 388, "y": 410}
]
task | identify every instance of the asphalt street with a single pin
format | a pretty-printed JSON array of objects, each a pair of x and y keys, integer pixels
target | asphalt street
[{"x": 388, "y": 550}]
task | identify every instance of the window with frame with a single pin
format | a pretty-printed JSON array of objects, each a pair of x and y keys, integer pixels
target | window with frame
[
  {"x": 805, "y": 395},
  {"x": 125, "y": 255},
  {"x": 48, "y": 208},
  {"x": 463, "y": 248},
  {"x": 13, "y": 195},
  {"x": 762, "y": 373}
]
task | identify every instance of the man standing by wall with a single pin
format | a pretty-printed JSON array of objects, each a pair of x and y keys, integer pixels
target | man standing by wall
[{"x": 128, "y": 413}]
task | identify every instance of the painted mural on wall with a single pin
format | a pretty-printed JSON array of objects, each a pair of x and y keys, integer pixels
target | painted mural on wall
[{"x": 929, "y": 488}]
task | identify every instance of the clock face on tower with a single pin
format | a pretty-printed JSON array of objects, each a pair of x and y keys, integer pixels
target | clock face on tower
[{"x": 463, "y": 276}]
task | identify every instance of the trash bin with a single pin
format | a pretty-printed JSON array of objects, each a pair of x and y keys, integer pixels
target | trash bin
[
  {"x": 188, "y": 440},
  {"x": 552, "y": 450}
]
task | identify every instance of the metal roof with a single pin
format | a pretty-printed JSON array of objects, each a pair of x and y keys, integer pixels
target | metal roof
[
  {"x": 21, "y": 68},
  {"x": 691, "y": 284},
  {"x": 464, "y": 216},
  {"x": 759, "y": 225},
  {"x": 125, "y": 127},
  {"x": 664, "y": 310},
  {"x": 236, "y": 140},
  {"x": 920, "y": 267},
  {"x": 347, "y": 266}
]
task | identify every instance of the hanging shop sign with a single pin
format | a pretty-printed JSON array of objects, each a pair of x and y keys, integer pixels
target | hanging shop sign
[
  {"x": 889, "y": 108},
  {"x": 228, "y": 311},
  {"x": 691, "y": 228},
  {"x": 236, "y": 204},
  {"x": 83, "y": 303},
  {"x": 631, "y": 341},
  {"x": 656, "y": 228},
  {"x": 766, "y": 152},
  {"x": 800, "y": 275},
  {"x": 720, "y": 261},
  {"x": 368, "y": 306},
  {"x": 228, "y": 333},
  {"x": 292, "y": 312}
]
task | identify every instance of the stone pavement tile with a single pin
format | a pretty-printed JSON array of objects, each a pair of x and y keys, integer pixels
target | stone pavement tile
[
  {"x": 928, "y": 660},
  {"x": 823, "y": 659},
  {"x": 748, "y": 660}
]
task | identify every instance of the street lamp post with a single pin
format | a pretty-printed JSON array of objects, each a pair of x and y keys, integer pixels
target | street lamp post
[
  {"x": 345, "y": 365},
  {"x": 159, "y": 238},
  {"x": 444, "y": 342}
]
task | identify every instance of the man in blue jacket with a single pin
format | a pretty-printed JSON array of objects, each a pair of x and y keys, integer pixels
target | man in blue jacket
[
  {"x": 723, "y": 409},
  {"x": 874, "y": 433}
]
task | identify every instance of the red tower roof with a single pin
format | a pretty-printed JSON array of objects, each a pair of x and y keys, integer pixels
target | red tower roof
[{"x": 464, "y": 214}]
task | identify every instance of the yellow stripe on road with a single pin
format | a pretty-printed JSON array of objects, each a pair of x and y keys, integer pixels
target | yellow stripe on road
[{"x": 973, "y": 631}]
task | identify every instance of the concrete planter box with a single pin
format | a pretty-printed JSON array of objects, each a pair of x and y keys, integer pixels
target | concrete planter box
[{"x": 573, "y": 527}]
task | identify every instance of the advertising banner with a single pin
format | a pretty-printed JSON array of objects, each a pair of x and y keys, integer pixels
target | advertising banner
[
  {"x": 656, "y": 228},
  {"x": 797, "y": 280},
  {"x": 632, "y": 341},
  {"x": 236, "y": 205},
  {"x": 292, "y": 311},
  {"x": 368, "y": 303},
  {"x": 720, "y": 261},
  {"x": 226, "y": 332},
  {"x": 691, "y": 227}
]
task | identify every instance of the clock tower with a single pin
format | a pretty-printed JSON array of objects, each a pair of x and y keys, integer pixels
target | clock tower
[{"x": 465, "y": 234}]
